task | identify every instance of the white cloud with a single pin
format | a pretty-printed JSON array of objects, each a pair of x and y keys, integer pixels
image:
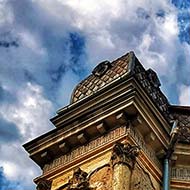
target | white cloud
[
  {"x": 184, "y": 95},
  {"x": 113, "y": 28},
  {"x": 6, "y": 15},
  {"x": 32, "y": 42},
  {"x": 31, "y": 113},
  {"x": 16, "y": 165}
]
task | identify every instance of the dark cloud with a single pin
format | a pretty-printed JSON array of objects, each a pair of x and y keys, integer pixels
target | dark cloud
[
  {"x": 7, "y": 44},
  {"x": 142, "y": 13},
  {"x": 160, "y": 13},
  {"x": 6, "y": 184},
  {"x": 57, "y": 73},
  {"x": 8, "y": 131}
]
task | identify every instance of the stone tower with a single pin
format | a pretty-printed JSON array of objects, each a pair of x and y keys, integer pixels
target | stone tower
[{"x": 118, "y": 133}]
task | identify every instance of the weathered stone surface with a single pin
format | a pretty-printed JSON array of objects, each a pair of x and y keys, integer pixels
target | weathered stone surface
[
  {"x": 141, "y": 180},
  {"x": 115, "y": 175},
  {"x": 101, "y": 178},
  {"x": 124, "y": 154},
  {"x": 87, "y": 148},
  {"x": 121, "y": 177}
]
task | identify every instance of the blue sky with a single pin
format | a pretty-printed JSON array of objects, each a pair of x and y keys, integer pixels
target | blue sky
[{"x": 48, "y": 46}]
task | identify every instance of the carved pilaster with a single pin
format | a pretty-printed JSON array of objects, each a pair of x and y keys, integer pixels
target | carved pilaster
[
  {"x": 44, "y": 185},
  {"x": 122, "y": 160}
]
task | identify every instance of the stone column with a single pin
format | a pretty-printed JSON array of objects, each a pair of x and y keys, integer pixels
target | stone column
[{"x": 123, "y": 160}]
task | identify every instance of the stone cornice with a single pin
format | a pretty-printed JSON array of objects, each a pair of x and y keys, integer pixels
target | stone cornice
[{"x": 125, "y": 97}]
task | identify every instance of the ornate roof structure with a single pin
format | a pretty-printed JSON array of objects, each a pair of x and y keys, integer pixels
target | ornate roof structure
[
  {"x": 102, "y": 75},
  {"x": 105, "y": 73}
]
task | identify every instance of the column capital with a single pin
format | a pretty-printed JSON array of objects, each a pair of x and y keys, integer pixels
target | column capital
[{"x": 124, "y": 153}]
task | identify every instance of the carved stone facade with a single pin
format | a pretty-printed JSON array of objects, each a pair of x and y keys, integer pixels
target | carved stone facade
[
  {"x": 142, "y": 145},
  {"x": 114, "y": 175},
  {"x": 115, "y": 134}
]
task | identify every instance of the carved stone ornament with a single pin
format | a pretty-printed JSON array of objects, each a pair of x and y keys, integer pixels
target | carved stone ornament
[
  {"x": 44, "y": 185},
  {"x": 78, "y": 181},
  {"x": 101, "y": 68},
  {"x": 124, "y": 154}
]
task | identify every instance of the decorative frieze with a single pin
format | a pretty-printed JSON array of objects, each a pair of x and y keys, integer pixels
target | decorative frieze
[
  {"x": 114, "y": 175},
  {"x": 141, "y": 143},
  {"x": 99, "y": 142},
  {"x": 120, "y": 173},
  {"x": 180, "y": 173},
  {"x": 85, "y": 149}
]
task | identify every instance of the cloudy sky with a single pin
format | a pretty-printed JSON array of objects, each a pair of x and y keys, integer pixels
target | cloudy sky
[{"x": 48, "y": 46}]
